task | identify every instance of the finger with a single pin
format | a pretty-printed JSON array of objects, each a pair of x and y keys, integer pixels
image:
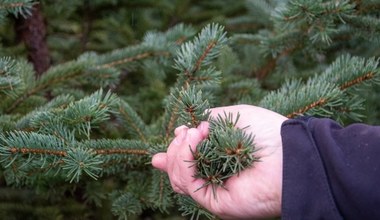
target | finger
[
  {"x": 180, "y": 134},
  {"x": 185, "y": 171},
  {"x": 178, "y": 160},
  {"x": 180, "y": 130},
  {"x": 203, "y": 128},
  {"x": 193, "y": 137},
  {"x": 159, "y": 161}
]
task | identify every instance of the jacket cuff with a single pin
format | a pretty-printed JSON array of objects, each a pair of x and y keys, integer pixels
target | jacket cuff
[{"x": 306, "y": 192}]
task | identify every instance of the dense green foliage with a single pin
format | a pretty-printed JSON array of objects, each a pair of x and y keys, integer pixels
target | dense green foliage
[{"x": 76, "y": 139}]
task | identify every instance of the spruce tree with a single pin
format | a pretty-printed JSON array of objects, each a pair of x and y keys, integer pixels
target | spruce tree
[{"x": 77, "y": 134}]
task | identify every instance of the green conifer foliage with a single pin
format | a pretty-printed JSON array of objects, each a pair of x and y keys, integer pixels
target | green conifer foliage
[{"x": 76, "y": 141}]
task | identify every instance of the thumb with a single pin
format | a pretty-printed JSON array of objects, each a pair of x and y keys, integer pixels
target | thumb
[{"x": 159, "y": 161}]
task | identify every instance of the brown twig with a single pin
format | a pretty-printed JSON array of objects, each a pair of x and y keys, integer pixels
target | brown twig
[
  {"x": 25, "y": 150},
  {"x": 320, "y": 102},
  {"x": 358, "y": 80},
  {"x": 121, "y": 151}
]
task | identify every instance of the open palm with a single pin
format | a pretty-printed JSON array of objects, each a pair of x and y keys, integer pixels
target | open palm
[{"x": 255, "y": 192}]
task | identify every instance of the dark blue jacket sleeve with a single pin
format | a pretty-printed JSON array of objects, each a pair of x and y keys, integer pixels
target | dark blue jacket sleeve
[{"x": 330, "y": 172}]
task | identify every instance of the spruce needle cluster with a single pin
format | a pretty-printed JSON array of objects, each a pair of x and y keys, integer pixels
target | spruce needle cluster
[{"x": 227, "y": 151}]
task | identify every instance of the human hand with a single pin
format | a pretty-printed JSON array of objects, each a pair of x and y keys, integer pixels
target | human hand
[{"x": 256, "y": 191}]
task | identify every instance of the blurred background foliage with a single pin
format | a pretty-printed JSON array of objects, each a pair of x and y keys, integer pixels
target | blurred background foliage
[{"x": 270, "y": 42}]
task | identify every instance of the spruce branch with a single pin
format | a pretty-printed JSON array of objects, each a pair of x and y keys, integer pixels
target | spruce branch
[
  {"x": 32, "y": 152},
  {"x": 287, "y": 100},
  {"x": 189, "y": 207},
  {"x": 191, "y": 58},
  {"x": 228, "y": 150},
  {"x": 55, "y": 145},
  {"x": 55, "y": 75},
  {"x": 369, "y": 24},
  {"x": 81, "y": 160},
  {"x": 59, "y": 102},
  {"x": 317, "y": 21},
  {"x": 358, "y": 80},
  {"x": 310, "y": 11},
  {"x": 319, "y": 103},
  {"x": 79, "y": 117},
  {"x": 326, "y": 94},
  {"x": 261, "y": 11},
  {"x": 132, "y": 121},
  {"x": 160, "y": 192},
  {"x": 118, "y": 154},
  {"x": 201, "y": 51},
  {"x": 125, "y": 204},
  {"x": 14, "y": 75},
  {"x": 272, "y": 47},
  {"x": 120, "y": 151},
  {"x": 300, "y": 23},
  {"x": 98, "y": 68},
  {"x": 134, "y": 58},
  {"x": 193, "y": 106},
  {"x": 170, "y": 39},
  {"x": 27, "y": 152},
  {"x": 16, "y": 7},
  {"x": 7, "y": 123},
  {"x": 352, "y": 71},
  {"x": 8, "y": 75},
  {"x": 154, "y": 44}
]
